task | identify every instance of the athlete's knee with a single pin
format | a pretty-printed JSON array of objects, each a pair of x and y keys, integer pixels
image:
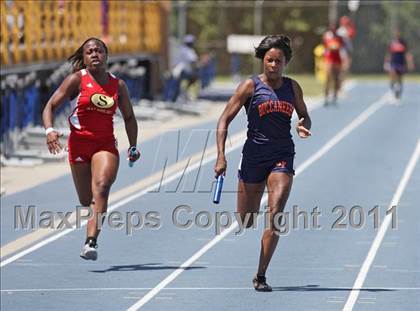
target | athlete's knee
[
  {"x": 276, "y": 211},
  {"x": 102, "y": 187},
  {"x": 272, "y": 232},
  {"x": 278, "y": 220}
]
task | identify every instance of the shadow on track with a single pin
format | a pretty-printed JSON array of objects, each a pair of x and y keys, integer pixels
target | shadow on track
[
  {"x": 313, "y": 288},
  {"x": 144, "y": 267}
]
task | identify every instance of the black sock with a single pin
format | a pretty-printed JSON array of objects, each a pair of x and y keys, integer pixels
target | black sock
[
  {"x": 261, "y": 277},
  {"x": 90, "y": 240}
]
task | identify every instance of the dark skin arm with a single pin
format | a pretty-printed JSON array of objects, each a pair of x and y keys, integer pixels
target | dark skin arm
[
  {"x": 304, "y": 123},
  {"x": 68, "y": 88},
  {"x": 410, "y": 61},
  {"x": 127, "y": 112},
  {"x": 243, "y": 92}
]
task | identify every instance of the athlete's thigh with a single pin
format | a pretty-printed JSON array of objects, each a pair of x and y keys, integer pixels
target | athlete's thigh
[
  {"x": 82, "y": 178},
  {"x": 336, "y": 70},
  {"x": 279, "y": 185},
  {"x": 104, "y": 168},
  {"x": 249, "y": 197},
  {"x": 328, "y": 67}
]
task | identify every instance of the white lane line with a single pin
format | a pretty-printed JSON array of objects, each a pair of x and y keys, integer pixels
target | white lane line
[
  {"x": 321, "y": 152},
  {"x": 358, "y": 284},
  {"x": 117, "y": 289}
]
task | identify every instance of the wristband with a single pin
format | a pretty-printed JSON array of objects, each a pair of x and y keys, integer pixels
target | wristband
[
  {"x": 49, "y": 130},
  {"x": 132, "y": 150}
]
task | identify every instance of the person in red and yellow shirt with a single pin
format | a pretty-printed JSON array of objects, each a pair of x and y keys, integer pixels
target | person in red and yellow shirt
[
  {"x": 347, "y": 31},
  {"x": 93, "y": 153},
  {"x": 333, "y": 44}
]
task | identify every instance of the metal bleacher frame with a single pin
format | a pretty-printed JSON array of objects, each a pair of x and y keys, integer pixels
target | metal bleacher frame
[
  {"x": 35, "y": 31},
  {"x": 37, "y": 36}
]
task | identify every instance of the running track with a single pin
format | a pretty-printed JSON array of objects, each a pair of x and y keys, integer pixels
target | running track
[{"x": 362, "y": 153}]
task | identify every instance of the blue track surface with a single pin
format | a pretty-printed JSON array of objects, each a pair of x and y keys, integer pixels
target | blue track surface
[{"x": 312, "y": 269}]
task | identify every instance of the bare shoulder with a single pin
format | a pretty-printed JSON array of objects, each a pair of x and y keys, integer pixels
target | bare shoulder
[
  {"x": 74, "y": 78},
  {"x": 121, "y": 83},
  {"x": 246, "y": 87},
  {"x": 71, "y": 85},
  {"x": 122, "y": 87},
  {"x": 296, "y": 87},
  {"x": 295, "y": 84}
]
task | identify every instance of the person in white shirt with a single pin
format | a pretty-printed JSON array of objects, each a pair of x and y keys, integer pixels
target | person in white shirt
[{"x": 185, "y": 68}]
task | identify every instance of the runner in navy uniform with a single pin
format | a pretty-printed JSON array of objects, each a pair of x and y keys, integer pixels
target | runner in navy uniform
[
  {"x": 397, "y": 60},
  {"x": 268, "y": 153}
]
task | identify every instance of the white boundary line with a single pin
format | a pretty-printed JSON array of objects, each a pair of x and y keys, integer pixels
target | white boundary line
[
  {"x": 109, "y": 289},
  {"x": 358, "y": 284},
  {"x": 331, "y": 143}
]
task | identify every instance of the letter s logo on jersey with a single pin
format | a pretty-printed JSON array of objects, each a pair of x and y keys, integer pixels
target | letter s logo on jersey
[{"x": 102, "y": 101}]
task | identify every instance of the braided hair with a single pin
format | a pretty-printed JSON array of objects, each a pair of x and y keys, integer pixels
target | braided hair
[
  {"x": 281, "y": 42},
  {"x": 76, "y": 59}
]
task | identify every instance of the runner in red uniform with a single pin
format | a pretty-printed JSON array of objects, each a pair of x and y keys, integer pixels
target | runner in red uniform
[
  {"x": 347, "y": 31},
  {"x": 333, "y": 43},
  {"x": 93, "y": 154},
  {"x": 91, "y": 122}
]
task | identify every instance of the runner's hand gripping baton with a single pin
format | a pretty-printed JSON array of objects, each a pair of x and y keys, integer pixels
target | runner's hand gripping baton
[
  {"x": 132, "y": 152},
  {"x": 218, "y": 189}
]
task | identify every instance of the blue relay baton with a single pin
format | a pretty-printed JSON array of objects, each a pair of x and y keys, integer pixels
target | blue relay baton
[
  {"x": 131, "y": 153},
  {"x": 218, "y": 190}
]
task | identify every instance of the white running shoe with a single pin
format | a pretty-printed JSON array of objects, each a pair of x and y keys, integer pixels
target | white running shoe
[{"x": 89, "y": 252}]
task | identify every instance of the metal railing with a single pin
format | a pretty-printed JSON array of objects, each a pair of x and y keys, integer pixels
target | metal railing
[{"x": 50, "y": 30}]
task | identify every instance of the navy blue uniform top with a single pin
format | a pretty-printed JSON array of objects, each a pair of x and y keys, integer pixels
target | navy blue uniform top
[{"x": 269, "y": 114}]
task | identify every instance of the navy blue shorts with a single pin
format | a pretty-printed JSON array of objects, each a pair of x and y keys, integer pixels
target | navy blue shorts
[
  {"x": 398, "y": 68},
  {"x": 255, "y": 174}
]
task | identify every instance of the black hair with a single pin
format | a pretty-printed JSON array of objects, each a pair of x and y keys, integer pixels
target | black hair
[
  {"x": 76, "y": 59},
  {"x": 281, "y": 42}
]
